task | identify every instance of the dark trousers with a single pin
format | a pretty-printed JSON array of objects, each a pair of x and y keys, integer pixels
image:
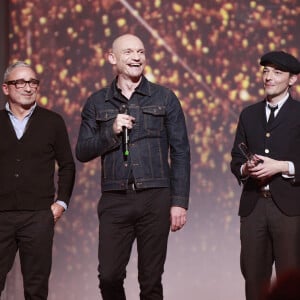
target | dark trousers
[
  {"x": 124, "y": 217},
  {"x": 267, "y": 236},
  {"x": 32, "y": 234}
]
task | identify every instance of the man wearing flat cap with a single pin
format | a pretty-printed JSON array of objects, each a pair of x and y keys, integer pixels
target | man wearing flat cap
[{"x": 270, "y": 174}]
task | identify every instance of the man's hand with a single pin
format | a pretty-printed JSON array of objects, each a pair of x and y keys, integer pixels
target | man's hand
[
  {"x": 122, "y": 120},
  {"x": 250, "y": 164},
  {"x": 57, "y": 211},
  {"x": 268, "y": 168},
  {"x": 178, "y": 217}
]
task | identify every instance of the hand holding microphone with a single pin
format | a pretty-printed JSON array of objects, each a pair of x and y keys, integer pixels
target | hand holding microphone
[{"x": 121, "y": 122}]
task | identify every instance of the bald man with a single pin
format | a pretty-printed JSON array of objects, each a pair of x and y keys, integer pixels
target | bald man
[{"x": 138, "y": 129}]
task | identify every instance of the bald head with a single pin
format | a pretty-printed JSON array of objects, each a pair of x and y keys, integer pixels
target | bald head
[
  {"x": 126, "y": 39},
  {"x": 128, "y": 57}
]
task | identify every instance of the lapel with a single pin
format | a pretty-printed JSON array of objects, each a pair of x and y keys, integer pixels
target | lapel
[{"x": 261, "y": 113}]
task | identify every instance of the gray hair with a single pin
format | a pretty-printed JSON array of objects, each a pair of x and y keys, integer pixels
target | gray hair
[{"x": 14, "y": 66}]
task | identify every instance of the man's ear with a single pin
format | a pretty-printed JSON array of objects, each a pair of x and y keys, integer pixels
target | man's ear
[
  {"x": 293, "y": 79},
  {"x": 112, "y": 58},
  {"x": 5, "y": 89}
]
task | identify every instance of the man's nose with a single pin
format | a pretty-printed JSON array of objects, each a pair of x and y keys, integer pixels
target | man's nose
[
  {"x": 136, "y": 55},
  {"x": 269, "y": 76},
  {"x": 27, "y": 87}
]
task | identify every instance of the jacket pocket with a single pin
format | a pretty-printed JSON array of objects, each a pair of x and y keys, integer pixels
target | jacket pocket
[
  {"x": 106, "y": 115},
  {"x": 154, "y": 118}
]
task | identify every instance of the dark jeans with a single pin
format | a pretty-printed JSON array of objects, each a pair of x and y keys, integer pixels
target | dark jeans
[
  {"x": 126, "y": 216},
  {"x": 30, "y": 232},
  {"x": 267, "y": 236}
]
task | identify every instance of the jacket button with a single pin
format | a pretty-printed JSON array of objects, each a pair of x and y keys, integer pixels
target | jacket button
[
  {"x": 268, "y": 134},
  {"x": 267, "y": 151}
]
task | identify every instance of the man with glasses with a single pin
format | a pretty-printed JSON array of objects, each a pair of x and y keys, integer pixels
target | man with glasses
[{"x": 32, "y": 140}]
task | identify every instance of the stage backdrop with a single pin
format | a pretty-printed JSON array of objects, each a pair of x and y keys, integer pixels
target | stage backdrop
[{"x": 208, "y": 53}]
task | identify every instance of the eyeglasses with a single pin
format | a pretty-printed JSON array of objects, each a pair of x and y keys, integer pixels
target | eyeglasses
[{"x": 21, "y": 83}]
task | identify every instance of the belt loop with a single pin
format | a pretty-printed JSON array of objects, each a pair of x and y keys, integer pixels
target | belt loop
[{"x": 133, "y": 186}]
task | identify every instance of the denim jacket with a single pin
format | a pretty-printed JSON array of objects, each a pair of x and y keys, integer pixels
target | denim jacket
[{"x": 159, "y": 153}]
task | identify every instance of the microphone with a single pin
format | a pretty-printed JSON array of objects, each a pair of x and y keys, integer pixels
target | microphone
[
  {"x": 125, "y": 138},
  {"x": 125, "y": 135}
]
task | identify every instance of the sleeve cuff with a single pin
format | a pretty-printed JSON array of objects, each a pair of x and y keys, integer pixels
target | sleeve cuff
[
  {"x": 62, "y": 203},
  {"x": 291, "y": 173}
]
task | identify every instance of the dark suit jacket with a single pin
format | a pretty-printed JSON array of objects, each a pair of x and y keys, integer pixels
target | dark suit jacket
[{"x": 281, "y": 142}]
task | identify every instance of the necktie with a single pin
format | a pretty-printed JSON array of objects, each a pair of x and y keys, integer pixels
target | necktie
[{"x": 271, "y": 117}]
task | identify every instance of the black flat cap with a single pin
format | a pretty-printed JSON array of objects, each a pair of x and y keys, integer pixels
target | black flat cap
[{"x": 282, "y": 60}]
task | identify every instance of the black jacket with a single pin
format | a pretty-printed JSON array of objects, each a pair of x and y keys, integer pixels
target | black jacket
[{"x": 280, "y": 142}]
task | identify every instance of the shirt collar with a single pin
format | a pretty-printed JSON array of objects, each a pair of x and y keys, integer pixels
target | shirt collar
[
  {"x": 280, "y": 103},
  {"x": 11, "y": 113},
  {"x": 142, "y": 88}
]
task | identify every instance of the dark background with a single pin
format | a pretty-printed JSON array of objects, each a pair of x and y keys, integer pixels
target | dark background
[{"x": 208, "y": 53}]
